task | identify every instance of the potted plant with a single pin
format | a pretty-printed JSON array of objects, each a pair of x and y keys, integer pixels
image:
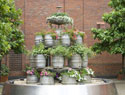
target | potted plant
[
  {"x": 32, "y": 76},
  {"x": 39, "y": 37},
  {"x": 70, "y": 77},
  {"x": 47, "y": 77},
  {"x": 4, "y": 73},
  {"x": 37, "y": 56},
  {"x": 76, "y": 36},
  {"x": 86, "y": 74},
  {"x": 79, "y": 52},
  {"x": 67, "y": 37},
  {"x": 58, "y": 53},
  {"x": 79, "y": 36},
  {"x": 88, "y": 53},
  {"x": 121, "y": 74},
  {"x": 49, "y": 38},
  {"x": 59, "y": 19}
]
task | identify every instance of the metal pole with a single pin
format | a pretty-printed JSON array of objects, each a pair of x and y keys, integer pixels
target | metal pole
[
  {"x": 123, "y": 61},
  {"x": 0, "y": 69}
]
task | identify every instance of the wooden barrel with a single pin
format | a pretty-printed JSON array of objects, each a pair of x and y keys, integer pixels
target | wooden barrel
[
  {"x": 79, "y": 39},
  {"x": 48, "y": 40},
  {"x": 85, "y": 62},
  {"x": 57, "y": 61},
  {"x": 38, "y": 39},
  {"x": 40, "y": 61},
  {"x": 31, "y": 79},
  {"x": 68, "y": 80},
  {"x": 46, "y": 80},
  {"x": 76, "y": 61},
  {"x": 32, "y": 61},
  {"x": 65, "y": 39}
]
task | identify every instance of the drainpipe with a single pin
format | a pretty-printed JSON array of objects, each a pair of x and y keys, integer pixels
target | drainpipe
[{"x": 64, "y": 6}]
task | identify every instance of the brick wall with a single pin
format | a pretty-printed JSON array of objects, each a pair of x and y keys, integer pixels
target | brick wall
[{"x": 86, "y": 14}]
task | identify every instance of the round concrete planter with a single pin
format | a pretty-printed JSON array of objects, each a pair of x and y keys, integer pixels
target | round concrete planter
[
  {"x": 46, "y": 80},
  {"x": 76, "y": 61},
  {"x": 31, "y": 79},
  {"x": 57, "y": 61},
  {"x": 68, "y": 80}
]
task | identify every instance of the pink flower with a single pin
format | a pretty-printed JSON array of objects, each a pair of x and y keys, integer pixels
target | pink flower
[
  {"x": 75, "y": 37},
  {"x": 31, "y": 73},
  {"x": 41, "y": 74},
  {"x": 56, "y": 36},
  {"x": 70, "y": 69},
  {"x": 46, "y": 73},
  {"x": 28, "y": 72}
]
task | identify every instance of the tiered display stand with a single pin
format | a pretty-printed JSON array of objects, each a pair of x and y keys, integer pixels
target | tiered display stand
[{"x": 35, "y": 86}]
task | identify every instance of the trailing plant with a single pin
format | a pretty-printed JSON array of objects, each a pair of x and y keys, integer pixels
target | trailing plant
[
  {"x": 42, "y": 33},
  {"x": 27, "y": 67},
  {"x": 39, "y": 49},
  {"x": 4, "y": 70},
  {"x": 59, "y": 14},
  {"x": 60, "y": 50},
  {"x": 59, "y": 19},
  {"x": 73, "y": 74},
  {"x": 45, "y": 32},
  {"x": 47, "y": 73},
  {"x": 73, "y": 33},
  {"x": 82, "y": 50},
  {"x": 86, "y": 71},
  {"x": 112, "y": 39}
]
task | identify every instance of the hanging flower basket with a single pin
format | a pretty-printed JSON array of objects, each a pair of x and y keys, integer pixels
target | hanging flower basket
[{"x": 59, "y": 19}]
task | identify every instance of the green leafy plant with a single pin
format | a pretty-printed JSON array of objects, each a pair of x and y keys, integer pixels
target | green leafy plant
[
  {"x": 59, "y": 19},
  {"x": 59, "y": 14},
  {"x": 27, "y": 67},
  {"x": 11, "y": 38},
  {"x": 82, "y": 50},
  {"x": 31, "y": 71},
  {"x": 112, "y": 39},
  {"x": 47, "y": 73},
  {"x": 39, "y": 49},
  {"x": 4, "y": 70},
  {"x": 60, "y": 50},
  {"x": 42, "y": 33}
]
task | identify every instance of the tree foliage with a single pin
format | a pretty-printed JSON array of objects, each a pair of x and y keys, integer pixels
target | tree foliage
[
  {"x": 112, "y": 39},
  {"x": 10, "y": 35}
]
